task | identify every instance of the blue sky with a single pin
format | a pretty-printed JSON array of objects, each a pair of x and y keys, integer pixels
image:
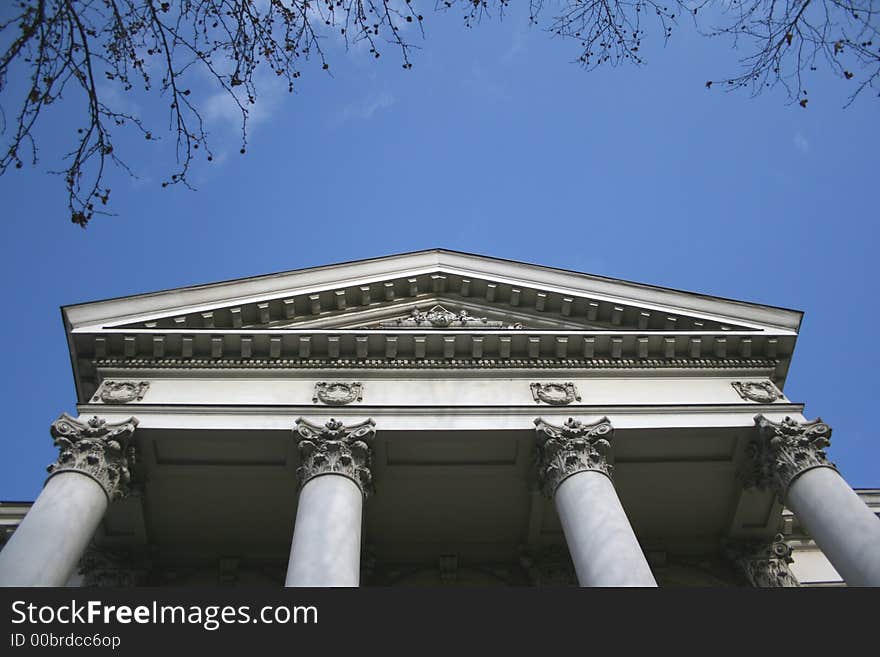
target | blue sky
[{"x": 493, "y": 143}]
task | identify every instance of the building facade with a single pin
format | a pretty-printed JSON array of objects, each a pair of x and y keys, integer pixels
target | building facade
[{"x": 436, "y": 418}]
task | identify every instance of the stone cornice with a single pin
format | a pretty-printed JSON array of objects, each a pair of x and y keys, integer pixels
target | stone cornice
[
  {"x": 437, "y": 270},
  {"x": 97, "y": 449}
]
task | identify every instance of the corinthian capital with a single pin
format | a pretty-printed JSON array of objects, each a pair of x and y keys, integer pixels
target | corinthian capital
[
  {"x": 764, "y": 564},
  {"x": 783, "y": 451},
  {"x": 574, "y": 447},
  {"x": 96, "y": 449},
  {"x": 336, "y": 449}
]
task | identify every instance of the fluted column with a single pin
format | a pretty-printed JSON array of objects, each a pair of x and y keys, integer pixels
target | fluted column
[
  {"x": 334, "y": 476},
  {"x": 573, "y": 470},
  {"x": 789, "y": 458},
  {"x": 92, "y": 470}
]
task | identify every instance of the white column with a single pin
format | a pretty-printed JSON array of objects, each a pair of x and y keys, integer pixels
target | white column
[
  {"x": 789, "y": 457},
  {"x": 335, "y": 477},
  {"x": 91, "y": 470},
  {"x": 841, "y": 524},
  {"x": 574, "y": 471}
]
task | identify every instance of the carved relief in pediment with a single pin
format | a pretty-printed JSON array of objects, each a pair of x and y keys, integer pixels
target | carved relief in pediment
[{"x": 440, "y": 317}]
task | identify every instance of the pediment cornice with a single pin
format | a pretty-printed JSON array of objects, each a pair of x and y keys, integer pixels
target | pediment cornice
[
  {"x": 477, "y": 279},
  {"x": 349, "y": 311}
]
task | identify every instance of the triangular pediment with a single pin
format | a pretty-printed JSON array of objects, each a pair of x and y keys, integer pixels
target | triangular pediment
[
  {"x": 349, "y": 295},
  {"x": 440, "y": 305}
]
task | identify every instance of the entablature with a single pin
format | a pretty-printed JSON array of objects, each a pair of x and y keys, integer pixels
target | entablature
[{"x": 319, "y": 389}]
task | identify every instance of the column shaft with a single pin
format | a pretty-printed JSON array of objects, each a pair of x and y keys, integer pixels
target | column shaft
[
  {"x": 600, "y": 539},
  {"x": 47, "y": 545},
  {"x": 326, "y": 546},
  {"x": 789, "y": 456},
  {"x": 842, "y": 525}
]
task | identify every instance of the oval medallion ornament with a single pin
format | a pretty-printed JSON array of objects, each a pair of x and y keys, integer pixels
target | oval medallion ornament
[
  {"x": 762, "y": 392},
  {"x": 556, "y": 394},
  {"x": 120, "y": 392},
  {"x": 336, "y": 393}
]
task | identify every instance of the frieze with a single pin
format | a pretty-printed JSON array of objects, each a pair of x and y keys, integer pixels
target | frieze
[
  {"x": 763, "y": 392},
  {"x": 782, "y": 451},
  {"x": 765, "y": 565},
  {"x": 120, "y": 392},
  {"x": 556, "y": 394},
  {"x": 336, "y": 449},
  {"x": 572, "y": 448},
  {"x": 97, "y": 449},
  {"x": 337, "y": 393}
]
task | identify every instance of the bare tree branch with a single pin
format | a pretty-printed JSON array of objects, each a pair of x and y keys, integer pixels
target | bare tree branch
[{"x": 74, "y": 49}]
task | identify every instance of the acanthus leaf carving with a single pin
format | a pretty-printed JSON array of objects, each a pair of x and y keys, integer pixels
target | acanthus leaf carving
[
  {"x": 336, "y": 449},
  {"x": 572, "y": 448},
  {"x": 337, "y": 393},
  {"x": 556, "y": 394},
  {"x": 97, "y": 449},
  {"x": 783, "y": 451}
]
